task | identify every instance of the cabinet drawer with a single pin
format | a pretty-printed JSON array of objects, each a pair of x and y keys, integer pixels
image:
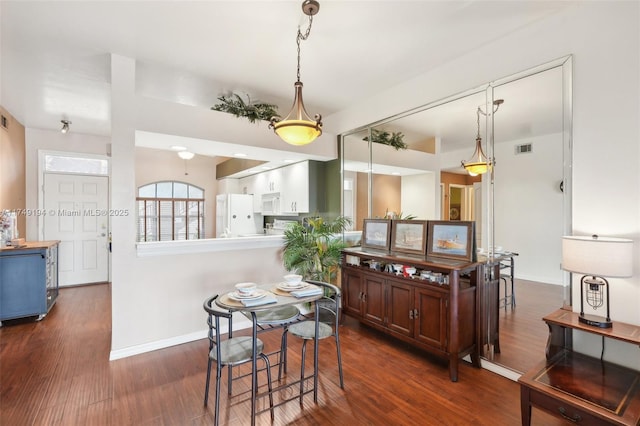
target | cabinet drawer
[{"x": 562, "y": 408}]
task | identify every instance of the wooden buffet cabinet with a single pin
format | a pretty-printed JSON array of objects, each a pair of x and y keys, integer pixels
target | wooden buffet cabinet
[
  {"x": 437, "y": 314},
  {"x": 579, "y": 388}
]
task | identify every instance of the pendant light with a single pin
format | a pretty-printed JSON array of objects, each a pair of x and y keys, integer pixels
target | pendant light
[
  {"x": 297, "y": 128},
  {"x": 479, "y": 163}
]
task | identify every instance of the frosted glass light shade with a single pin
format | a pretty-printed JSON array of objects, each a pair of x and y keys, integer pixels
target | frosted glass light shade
[
  {"x": 186, "y": 155},
  {"x": 479, "y": 163},
  {"x": 297, "y": 128},
  {"x": 598, "y": 256},
  {"x": 297, "y": 132}
]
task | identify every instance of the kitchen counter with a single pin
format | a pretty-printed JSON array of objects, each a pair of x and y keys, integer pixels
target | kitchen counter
[
  {"x": 205, "y": 245},
  {"x": 29, "y": 245}
]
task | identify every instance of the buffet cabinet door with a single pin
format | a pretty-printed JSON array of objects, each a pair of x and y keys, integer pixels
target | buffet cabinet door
[
  {"x": 431, "y": 325},
  {"x": 352, "y": 292},
  {"x": 401, "y": 314},
  {"x": 374, "y": 299}
]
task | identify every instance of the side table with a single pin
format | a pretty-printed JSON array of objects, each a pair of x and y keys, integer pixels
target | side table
[{"x": 580, "y": 388}]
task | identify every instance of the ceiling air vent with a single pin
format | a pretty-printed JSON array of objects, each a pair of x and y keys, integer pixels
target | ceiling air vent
[
  {"x": 4, "y": 122},
  {"x": 524, "y": 148}
]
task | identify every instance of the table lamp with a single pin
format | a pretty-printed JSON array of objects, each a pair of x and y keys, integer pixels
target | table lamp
[{"x": 596, "y": 257}]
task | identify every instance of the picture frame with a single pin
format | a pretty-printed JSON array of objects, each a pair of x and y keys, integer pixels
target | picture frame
[
  {"x": 376, "y": 234},
  {"x": 451, "y": 239},
  {"x": 409, "y": 236}
]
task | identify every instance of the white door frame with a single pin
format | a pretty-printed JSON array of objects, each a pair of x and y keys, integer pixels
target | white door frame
[{"x": 41, "y": 171}]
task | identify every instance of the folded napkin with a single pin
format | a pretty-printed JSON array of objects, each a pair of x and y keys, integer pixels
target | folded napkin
[
  {"x": 269, "y": 298},
  {"x": 307, "y": 291}
]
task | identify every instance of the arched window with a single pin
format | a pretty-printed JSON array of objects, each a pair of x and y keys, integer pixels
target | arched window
[{"x": 170, "y": 211}]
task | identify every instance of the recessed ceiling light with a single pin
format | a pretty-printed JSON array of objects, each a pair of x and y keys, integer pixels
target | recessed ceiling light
[
  {"x": 265, "y": 168},
  {"x": 288, "y": 160},
  {"x": 396, "y": 173},
  {"x": 239, "y": 154},
  {"x": 178, "y": 148}
]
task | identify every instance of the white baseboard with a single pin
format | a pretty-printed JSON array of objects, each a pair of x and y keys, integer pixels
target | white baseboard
[
  {"x": 173, "y": 341},
  {"x": 500, "y": 370}
]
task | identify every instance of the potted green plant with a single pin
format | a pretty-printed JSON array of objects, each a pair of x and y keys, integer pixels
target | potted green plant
[{"x": 313, "y": 250}]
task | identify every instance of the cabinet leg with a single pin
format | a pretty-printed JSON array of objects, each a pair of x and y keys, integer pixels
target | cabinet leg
[
  {"x": 453, "y": 369},
  {"x": 475, "y": 359},
  {"x": 525, "y": 406}
]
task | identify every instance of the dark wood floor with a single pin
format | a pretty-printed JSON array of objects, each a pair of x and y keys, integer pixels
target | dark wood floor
[
  {"x": 523, "y": 334},
  {"x": 57, "y": 372}
]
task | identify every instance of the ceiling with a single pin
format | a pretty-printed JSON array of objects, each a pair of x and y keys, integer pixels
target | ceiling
[{"x": 55, "y": 55}]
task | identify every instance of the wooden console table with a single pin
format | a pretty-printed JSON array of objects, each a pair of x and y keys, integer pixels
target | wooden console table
[{"x": 581, "y": 388}]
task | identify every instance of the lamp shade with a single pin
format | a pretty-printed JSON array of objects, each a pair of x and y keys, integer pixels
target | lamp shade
[{"x": 598, "y": 256}]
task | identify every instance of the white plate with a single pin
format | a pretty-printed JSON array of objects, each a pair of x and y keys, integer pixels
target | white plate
[
  {"x": 287, "y": 286},
  {"x": 257, "y": 294}
]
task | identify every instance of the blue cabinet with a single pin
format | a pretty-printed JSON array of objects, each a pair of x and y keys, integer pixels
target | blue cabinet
[{"x": 28, "y": 280}]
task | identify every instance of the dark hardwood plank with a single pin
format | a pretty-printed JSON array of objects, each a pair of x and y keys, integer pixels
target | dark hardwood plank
[
  {"x": 523, "y": 333},
  {"x": 57, "y": 372}
]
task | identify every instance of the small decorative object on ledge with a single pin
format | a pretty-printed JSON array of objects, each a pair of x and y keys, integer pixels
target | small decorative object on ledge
[
  {"x": 393, "y": 139},
  {"x": 251, "y": 111}
]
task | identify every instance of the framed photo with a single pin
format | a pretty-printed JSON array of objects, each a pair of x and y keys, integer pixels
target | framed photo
[
  {"x": 376, "y": 234},
  {"x": 409, "y": 236},
  {"x": 451, "y": 239}
]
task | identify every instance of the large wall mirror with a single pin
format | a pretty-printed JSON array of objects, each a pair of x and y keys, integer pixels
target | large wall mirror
[{"x": 523, "y": 206}]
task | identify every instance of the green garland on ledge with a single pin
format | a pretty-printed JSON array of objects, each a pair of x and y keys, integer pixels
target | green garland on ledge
[
  {"x": 251, "y": 111},
  {"x": 392, "y": 139}
]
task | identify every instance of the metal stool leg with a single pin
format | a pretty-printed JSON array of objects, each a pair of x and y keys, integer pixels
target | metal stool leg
[
  {"x": 282, "y": 367},
  {"x": 339, "y": 361},
  {"x": 304, "y": 350}
]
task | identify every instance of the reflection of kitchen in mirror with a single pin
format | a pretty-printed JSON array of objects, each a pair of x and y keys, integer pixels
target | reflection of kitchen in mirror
[{"x": 517, "y": 206}]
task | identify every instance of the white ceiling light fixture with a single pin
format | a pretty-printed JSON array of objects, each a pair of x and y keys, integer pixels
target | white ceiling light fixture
[
  {"x": 65, "y": 126},
  {"x": 186, "y": 155},
  {"x": 298, "y": 128}
]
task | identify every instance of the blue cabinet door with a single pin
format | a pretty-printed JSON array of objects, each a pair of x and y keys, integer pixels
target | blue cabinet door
[{"x": 22, "y": 284}]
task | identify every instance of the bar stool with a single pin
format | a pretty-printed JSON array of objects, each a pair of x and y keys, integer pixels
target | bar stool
[{"x": 277, "y": 318}]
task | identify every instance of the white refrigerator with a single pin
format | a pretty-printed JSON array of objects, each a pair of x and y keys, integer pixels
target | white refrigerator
[{"x": 234, "y": 215}]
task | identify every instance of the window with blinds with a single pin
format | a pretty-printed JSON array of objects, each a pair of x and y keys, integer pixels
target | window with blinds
[{"x": 170, "y": 211}]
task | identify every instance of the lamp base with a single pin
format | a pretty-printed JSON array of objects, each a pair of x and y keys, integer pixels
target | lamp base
[{"x": 595, "y": 321}]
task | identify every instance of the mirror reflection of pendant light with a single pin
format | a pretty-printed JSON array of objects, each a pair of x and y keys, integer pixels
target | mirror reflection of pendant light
[
  {"x": 479, "y": 163},
  {"x": 297, "y": 128}
]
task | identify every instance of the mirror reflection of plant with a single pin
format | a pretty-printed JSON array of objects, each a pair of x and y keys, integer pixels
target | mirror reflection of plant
[
  {"x": 251, "y": 111},
  {"x": 314, "y": 250},
  {"x": 400, "y": 216},
  {"x": 393, "y": 139}
]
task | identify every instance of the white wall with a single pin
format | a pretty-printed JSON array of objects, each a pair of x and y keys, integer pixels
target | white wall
[
  {"x": 603, "y": 39},
  {"x": 528, "y": 214},
  {"x": 419, "y": 194}
]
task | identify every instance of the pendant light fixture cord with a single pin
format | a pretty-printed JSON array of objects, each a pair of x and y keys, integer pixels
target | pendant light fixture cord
[{"x": 303, "y": 37}]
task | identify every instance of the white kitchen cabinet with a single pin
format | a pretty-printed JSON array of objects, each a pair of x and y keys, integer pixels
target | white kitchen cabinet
[
  {"x": 249, "y": 185},
  {"x": 295, "y": 188},
  {"x": 270, "y": 181}
]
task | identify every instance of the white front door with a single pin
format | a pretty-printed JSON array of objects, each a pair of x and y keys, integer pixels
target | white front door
[{"x": 76, "y": 209}]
